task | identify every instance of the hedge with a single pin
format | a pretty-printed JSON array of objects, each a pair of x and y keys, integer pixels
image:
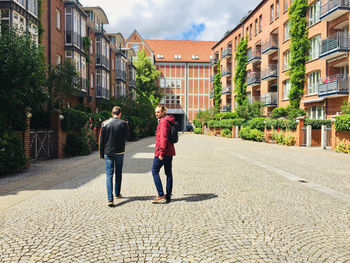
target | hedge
[
  {"x": 247, "y": 133},
  {"x": 197, "y": 123},
  {"x": 198, "y": 130},
  {"x": 316, "y": 124},
  {"x": 281, "y": 124},
  {"x": 256, "y": 123},
  {"x": 76, "y": 119},
  {"x": 342, "y": 122}
]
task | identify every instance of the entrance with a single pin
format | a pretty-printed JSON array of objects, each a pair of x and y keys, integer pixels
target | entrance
[{"x": 179, "y": 118}]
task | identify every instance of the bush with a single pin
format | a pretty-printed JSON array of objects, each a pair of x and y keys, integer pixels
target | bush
[
  {"x": 279, "y": 112},
  {"x": 226, "y": 123},
  {"x": 75, "y": 145},
  {"x": 284, "y": 138},
  {"x": 342, "y": 147},
  {"x": 198, "y": 130},
  {"x": 74, "y": 119},
  {"x": 226, "y": 115},
  {"x": 256, "y": 123},
  {"x": 40, "y": 120},
  {"x": 342, "y": 122},
  {"x": 316, "y": 124},
  {"x": 197, "y": 123},
  {"x": 12, "y": 155},
  {"x": 238, "y": 122},
  {"x": 247, "y": 133},
  {"x": 281, "y": 124},
  {"x": 250, "y": 110},
  {"x": 294, "y": 113},
  {"x": 226, "y": 133},
  {"x": 214, "y": 124},
  {"x": 345, "y": 108}
]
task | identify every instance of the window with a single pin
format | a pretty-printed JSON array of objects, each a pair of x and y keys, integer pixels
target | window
[
  {"x": 285, "y": 5},
  {"x": 58, "y": 60},
  {"x": 256, "y": 27},
  {"x": 286, "y": 59},
  {"x": 271, "y": 14},
  {"x": 260, "y": 23},
  {"x": 235, "y": 43},
  {"x": 313, "y": 82},
  {"x": 314, "y": 12},
  {"x": 135, "y": 47},
  {"x": 250, "y": 31},
  {"x": 246, "y": 31},
  {"x": 4, "y": 19},
  {"x": 314, "y": 51},
  {"x": 91, "y": 80},
  {"x": 33, "y": 6},
  {"x": 286, "y": 89},
  {"x": 315, "y": 112},
  {"x": 162, "y": 83},
  {"x": 91, "y": 47},
  {"x": 277, "y": 9},
  {"x": 286, "y": 31},
  {"x": 178, "y": 84},
  {"x": 58, "y": 19}
]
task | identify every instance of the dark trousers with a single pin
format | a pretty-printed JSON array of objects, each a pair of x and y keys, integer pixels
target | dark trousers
[
  {"x": 157, "y": 164},
  {"x": 114, "y": 163}
]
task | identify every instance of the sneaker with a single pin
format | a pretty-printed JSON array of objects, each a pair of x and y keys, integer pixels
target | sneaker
[
  {"x": 119, "y": 196},
  {"x": 159, "y": 199},
  {"x": 110, "y": 203}
]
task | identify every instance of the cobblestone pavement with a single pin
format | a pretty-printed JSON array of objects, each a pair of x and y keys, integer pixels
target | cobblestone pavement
[{"x": 234, "y": 201}]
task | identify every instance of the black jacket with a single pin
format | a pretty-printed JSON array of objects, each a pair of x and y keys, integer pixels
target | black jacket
[{"x": 114, "y": 133}]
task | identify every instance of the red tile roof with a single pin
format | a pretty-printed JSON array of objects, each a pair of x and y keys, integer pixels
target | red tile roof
[{"x": 185, "y": 48}]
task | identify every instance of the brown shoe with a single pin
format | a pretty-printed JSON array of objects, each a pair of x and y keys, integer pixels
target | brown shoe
[
  {"x": 159, "y": 199},
  {"x": 110, "y": 203}
]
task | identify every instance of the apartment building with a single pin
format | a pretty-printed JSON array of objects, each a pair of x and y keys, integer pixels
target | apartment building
[
  {"x": 267, "y": 30},
  {"x": 184, "y": 79}
]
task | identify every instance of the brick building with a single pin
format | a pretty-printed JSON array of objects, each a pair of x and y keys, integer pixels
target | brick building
[
  {"x": 327, "y": 82},
  {"x": 184, "y": 79}
]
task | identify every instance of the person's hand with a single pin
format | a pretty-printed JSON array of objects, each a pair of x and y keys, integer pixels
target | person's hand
[{"x": 161, "y": 158}]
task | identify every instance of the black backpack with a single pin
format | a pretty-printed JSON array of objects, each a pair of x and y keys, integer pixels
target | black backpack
[{"x": 173, "y": 134}]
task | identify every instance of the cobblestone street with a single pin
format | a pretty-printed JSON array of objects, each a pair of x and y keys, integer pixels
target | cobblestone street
[{"x": 233, "y": 201}]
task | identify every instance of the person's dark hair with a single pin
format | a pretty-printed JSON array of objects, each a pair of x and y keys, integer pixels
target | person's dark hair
[{"x": 116, "y": 110}]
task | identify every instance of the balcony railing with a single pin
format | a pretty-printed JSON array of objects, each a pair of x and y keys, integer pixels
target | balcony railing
[
  {"x": 226, "y": 90},
  {"x": 270, "y": 46},
  {"x": 120, "y": 74},
  {"x": 102, "y": 60},
  {"x": 333, "y": 9},
  {"x": 334, "y": 45},
  {"x": 227, "y": 52},
  {"x": 254, "y": 56},
  {"x": 212, "y": 77},
  {"x": 337, "y": 85},
  {"x": 253, "y": 78},
  {"x": 73, "y": 38},
  {"x": 226, "y": 108},
  {"x": 256, "y": 98},
  {"x": 102, "y": 92},
  {"x": 132, "y": 83},
  {"x": 226, "y": 72},
  {"x": 269, "y": 99},
  {"x": 269, "y": 73},
  {"x": 213, "y": 61}
]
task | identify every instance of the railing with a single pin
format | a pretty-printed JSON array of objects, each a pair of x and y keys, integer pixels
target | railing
[
  {"x": 270, "y": 71},
  {"x": 333, "y": 4},
  {"x": 269, "y": 98},
  {"x": 121, "y": 74},
  {"x": 255, "y": 98},
  {"x": 132, "y": 83},
  {"x": 102, "y": 60},
  {"x": 337, "y": 84},
  {"x": 334, "y": 42},
  {"x": 226, "y": 52},
  {"x": 255, "y": 55},
  {"x": 212, "y": 77},
  {"x": 226, "y": 108},
  {"x": 226, "y": 71},
  {"x": 226, "y": 89},
  {"x": 213, "y": 61},
  {"x": 253, "y": 77},
  {"x": 73, "y": 38},
  {"x": 272, "y": 43}
]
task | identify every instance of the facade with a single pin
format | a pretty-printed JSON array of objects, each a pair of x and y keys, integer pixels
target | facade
[
  {"x": 266, "y": 27},
  {"x": 184, "y": 79}
]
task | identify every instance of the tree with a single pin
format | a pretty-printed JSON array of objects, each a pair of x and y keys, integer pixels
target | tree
[
  {"x": 146, "y": 76},
  {"x": 241, "y": 71},
  {"x": 217, "y": 89},
  {"x": 62, "y": 80},
  {"x": 22, "y": 78}
]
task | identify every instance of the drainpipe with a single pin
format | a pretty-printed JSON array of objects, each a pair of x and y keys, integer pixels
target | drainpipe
[
  {"x": 49, "y": 32},
  {"x": 88, "y": 65},
  {"x": 186, "y": 94}
]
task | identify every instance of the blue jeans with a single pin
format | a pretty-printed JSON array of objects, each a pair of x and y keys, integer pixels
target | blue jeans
[
  {"x": 113, "y": 162},
  {"x": 157, "y": 164}
]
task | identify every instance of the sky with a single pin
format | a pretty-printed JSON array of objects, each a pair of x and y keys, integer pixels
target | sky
[{"x": 174, "y": 19}]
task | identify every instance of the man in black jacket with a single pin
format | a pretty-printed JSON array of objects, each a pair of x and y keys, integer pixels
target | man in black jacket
[{"x": 114, "y": 132}]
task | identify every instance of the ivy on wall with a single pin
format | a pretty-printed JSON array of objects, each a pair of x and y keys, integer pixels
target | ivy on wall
[
  {"x": 300, "y": 45},
  {"x": 41, "y": 28},
  {"x": 217, "y": 89},
  {"x": 240, "y": 73}
]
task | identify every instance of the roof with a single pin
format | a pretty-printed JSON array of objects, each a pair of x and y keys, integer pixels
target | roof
[
  {"x": 100, "y": 13},
  {"x": 189, "y": 50}
]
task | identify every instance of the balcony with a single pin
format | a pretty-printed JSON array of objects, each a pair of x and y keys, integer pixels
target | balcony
[
  {"x": 102, "y": 60},
  {"x": 132, "y": 83},
  {"x": 254, "y": 56},
  {"x": 335, "y": 45},
  {"x": 270, "y": 46},
  {"x": 226, "y": 90},
  {"x": 269, "y": 99},
  {"x": 333, "y": 9},
  {"x": 102, "y": 93},
  {"x": 270, "y": 73},
  {"x": 226, "y": 72},
  {"x": 120, "y": 74},
  {"x": 73, "y": 38},
  {"x": 334, "y": 86},
  {"x": 253, "y": 78},
  {"x": 226, "y": 108},
  {"x": 212, "y": 77},
  {"x": 255, "y": 98},
  {"x": 227, "y": 52},
  {"x": 213, "y": 61}
]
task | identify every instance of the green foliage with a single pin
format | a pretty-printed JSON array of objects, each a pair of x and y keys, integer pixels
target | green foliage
[
  {"x": 226, "y": 115},
  {"x": 249, "y": 111},
  {"x": 342, "y": 147},
  {"x": 299, "y": 47},
  {"x": 206, "y": 116},
  {"x": 41, "y": 119},
  {"x": 345, "y": 108},
  {"x": 12, "y": 156},
  {"x": 284, "y": 138},
  {"x": 238, "y": 122},
  {"x": 75, "y": 145},
  {"x": 198, "y": 130},
  {"x": 226, "y": 124},
  {"x": 281, "y": 124},
  {"x": 342, "y": 122},
  {"x": 240, "y": 74},
  {"x": 214, "y": 124},
  {"x": 316, "y": 124},
  {"x": 217, "y": 89},
  {"x": 83, "y": 108},
  {"x": 279, "y": 112},
  {"x": 247, "y": 133},
  {"x": 256, "y": 123},
  {"x": 86, "y": 47},
  {"x": 197, "y": 123},
  {"x": 226, "y": 133},
  {"x": 294, "y": 113},
  {"x": 22, "y": 78},
  {"x": 289, "y": 112}
]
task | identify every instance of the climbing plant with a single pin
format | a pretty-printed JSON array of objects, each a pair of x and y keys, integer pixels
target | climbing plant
[
  {"x": 240, "y": 73},
  {"x": 217, "y": 89},
  {"x": 300, "y": 45}
]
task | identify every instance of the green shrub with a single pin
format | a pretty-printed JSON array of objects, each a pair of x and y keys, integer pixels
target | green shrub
[
  {"x": 75, "y": 145},
  {"x": 198, "y": 130},
  {"x": 284, "y": 138},
  {"x": 316, "y": 124},
  {"x": 342, "y": 147},
  {"x": 12, "y": 155},
  {"x": 214, "y": 124},
  {"x": 238, "y": 122},
  {"x": 197, "y": 123},
  {"x": 247, "y": 133},
  {"x": 226, "y": 115},
  {"x": 226, "y": 133},
  {"x": 279, "y": 112},
  {"x": 256, "y": 123},
  {"x": 74, "y": 119},
  {"x": 345, "y": 108},
  {"x": 342, "y": 122},
  {"x": 294, "y": 113},
  {"x": 281, "y": 124},
  {"x": 226, "y": 123}
]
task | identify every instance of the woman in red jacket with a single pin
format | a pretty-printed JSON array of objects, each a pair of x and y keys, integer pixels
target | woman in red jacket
[{"x": 163, "y": 155}]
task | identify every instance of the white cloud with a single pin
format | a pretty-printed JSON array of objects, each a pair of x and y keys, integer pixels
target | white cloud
[{"x": 161, "y": 19}]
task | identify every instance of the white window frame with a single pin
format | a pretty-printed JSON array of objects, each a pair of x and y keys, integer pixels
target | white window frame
[
  {"x": 286, "y": 60},
  {"x": 314, "y": 12},
  {"x": 313, "y": 82},
  {"x": 286, "y": 89},
  {"x": 58, "y": 19},
  {"x": 314, "y": 51}
]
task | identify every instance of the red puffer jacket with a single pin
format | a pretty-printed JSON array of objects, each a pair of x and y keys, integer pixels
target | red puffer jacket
[{"x": 163, "y": 146}]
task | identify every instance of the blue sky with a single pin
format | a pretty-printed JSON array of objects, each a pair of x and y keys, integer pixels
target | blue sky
[{"x": 174, "y": 19}]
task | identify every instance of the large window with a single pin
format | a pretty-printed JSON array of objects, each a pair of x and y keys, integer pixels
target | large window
[
  {"x": 256, "y": 27},
  {"x": 315, "y": 112},
  {"x": 277, "y": 9},
  {"x": 313, "y": 82},
  {"x": 4, "y": 19},
  {"x": 271, "y": 14},
  {"x": 314, "y": 12},
  {"x": 314, "y": 51},
  {"x": 260, "y": 23},
  {"x": 286, "y": 31},
  {"x": 33, "y": 6},
  {"x": 286, "y": 89},
  {"x": 58, "y": 19},
  {"x": 286, "y": 60},
  {"x": 285, "y": 5}
]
